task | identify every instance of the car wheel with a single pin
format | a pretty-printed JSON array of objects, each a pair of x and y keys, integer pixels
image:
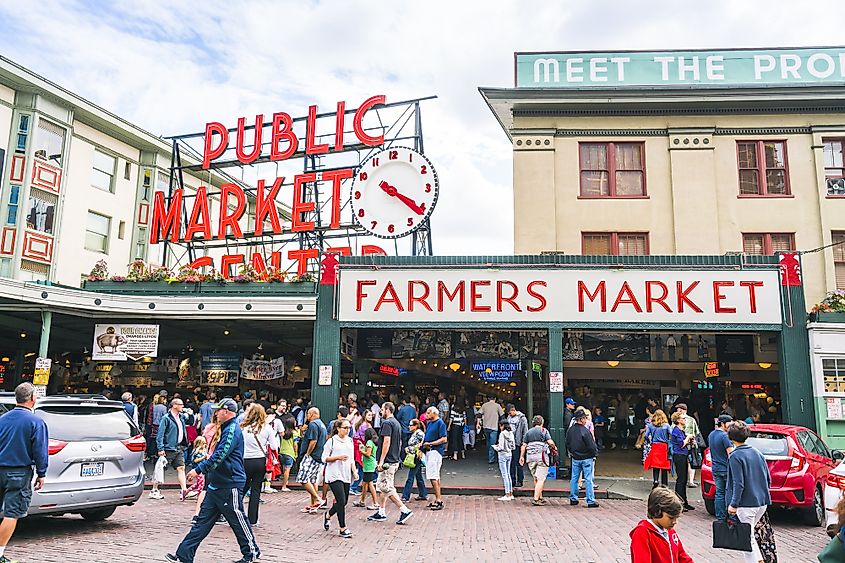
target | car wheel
[
  {"x": 97, "y": 514},
  {"x": 710, "y": 506},
  {"x": 814, "y": 516}
]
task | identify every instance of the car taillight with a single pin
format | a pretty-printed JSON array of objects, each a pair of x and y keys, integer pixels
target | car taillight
[
  {"x": 837, "y": 481},
  {"x": 798, "y": 462},
  {"x": 707, "y": 459},
  {"x": 135, "y": 443},
  {"x": 55, "y": 446}
]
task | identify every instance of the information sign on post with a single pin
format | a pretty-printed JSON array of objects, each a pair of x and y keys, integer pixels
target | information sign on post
[
  {"x": 41, "y": 376},
  {"x": 556, "y": 382},
  {"x": 325, "y": 375}
]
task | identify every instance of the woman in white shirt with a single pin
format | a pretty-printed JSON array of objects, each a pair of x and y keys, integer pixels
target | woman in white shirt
[
  {"x": 258, "y": 436},
  {"x": 339, "y": 457}
]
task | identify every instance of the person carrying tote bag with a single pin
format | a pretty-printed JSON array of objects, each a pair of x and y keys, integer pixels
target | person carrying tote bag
[
  {"x": 339, "y": 457},
  {"x": 834, "y": 551}
]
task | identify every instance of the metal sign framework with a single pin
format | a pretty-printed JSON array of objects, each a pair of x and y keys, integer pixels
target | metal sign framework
[{"x": 399, "y": 122}]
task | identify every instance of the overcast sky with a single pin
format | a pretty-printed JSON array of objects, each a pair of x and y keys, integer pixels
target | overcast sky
[{"x": 170, "y": 67}]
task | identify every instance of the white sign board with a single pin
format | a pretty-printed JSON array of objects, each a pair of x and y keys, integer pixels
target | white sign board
[
  {"x": 834, "y": 408},
  {"x": 40, "y": 391},
  {"x": 325, "y": 375},
  {"x": 556, "y": 382},
  {"x": 523, "y": 295},
  {"x": 262, "y": 370},
  {"x": 122, "y": 342}
]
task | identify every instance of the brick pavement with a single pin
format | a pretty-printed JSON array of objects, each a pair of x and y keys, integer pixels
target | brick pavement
[{"x": 471, "y": 527}]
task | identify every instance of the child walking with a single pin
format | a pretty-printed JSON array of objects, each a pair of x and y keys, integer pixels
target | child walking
[
  {"x": 198, "y": 454},
  {"x": 655, "y": 540},
  {"x": 505, "y": 448},
  {"x": 368, "y": 463}
]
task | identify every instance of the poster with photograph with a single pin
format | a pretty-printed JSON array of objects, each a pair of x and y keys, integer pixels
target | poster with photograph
[
  {"x": 220, "y": 370},
  {"x": 119, "y": 342},
  {"x": 375, "y": 343},
  {"x": 735, "y": 347},
  {"x": 616, "y": 346},
  {"x": 422, "y": 343},
  {"x": 533, "y": 344},
  {"x": 486, "y": 344}
]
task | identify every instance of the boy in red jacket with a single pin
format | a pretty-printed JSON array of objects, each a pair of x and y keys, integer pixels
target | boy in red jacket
[{"x": 655, "y": 540}]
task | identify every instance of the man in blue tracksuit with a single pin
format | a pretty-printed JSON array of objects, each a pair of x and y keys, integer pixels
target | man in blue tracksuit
[{"x": 226, "y": 478}]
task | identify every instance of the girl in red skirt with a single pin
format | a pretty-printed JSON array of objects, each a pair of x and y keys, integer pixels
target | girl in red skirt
[{"x": 657, "y": 436}]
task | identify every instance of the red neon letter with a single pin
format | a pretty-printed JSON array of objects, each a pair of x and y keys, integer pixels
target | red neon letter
[
  {"x": 628, "y": 298},
  {"x": 601, "y": 289},
  {"x": 265, "y": 205},
  {"x": 227, "y": 220},
  {"x": 256, "y": 141},
  {"x": 209, "y": 153},
  {"x": 338, "y": 126},
  {"x": 299, "y": 207},
  {"x": 718, "y": 296},
  {"x": 229, "y": 260},
  {"x": 282, "y": 129},
  {"x": 443, "y": 291},
  {"x": 359, "y": 293},
  {"x": 651, "y": 299},
  {"x": 302, "y": 256},
  {"x": 168, "y": 221},
  {"x": 393, "y": 298},
  {"x": 541, "y": 300},
  {"x": 475, "y": 295},
  {"x": 683, "y": 297},
  {"x": 421, "y": 299},
  {"x": 336, "y": 177},
  {"x": 259, "y": 265},
  {"x": 201, "y": 262},
  {"x": 200, "y": 211},
  {"x": 359, "y": 118},
  {"x": 367, "y": 249},
  {"x": 752, "y": 294},
  {"x": 311, "y": 146},
  {"x": 500, "y": 297}
]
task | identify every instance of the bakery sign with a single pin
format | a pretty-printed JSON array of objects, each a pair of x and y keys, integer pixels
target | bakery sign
[{"x": 517, "y": 295}]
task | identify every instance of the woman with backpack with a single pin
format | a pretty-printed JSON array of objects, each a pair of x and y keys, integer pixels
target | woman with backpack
[{"x": 258, "y": 436}]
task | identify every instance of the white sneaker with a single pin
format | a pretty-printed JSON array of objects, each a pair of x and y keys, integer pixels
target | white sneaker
[
  {"x": 156, "y": 495},
  {"x": 268, "y": 490},
  {"x": 504, "y": 498},
  {"x": 285, "y": 490}
]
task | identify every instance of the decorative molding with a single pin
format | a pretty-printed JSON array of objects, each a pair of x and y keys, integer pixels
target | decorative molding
[
  {"x": 611, "y": 132},
  {"x": 18, "y": 168},
  {"x": 733, "y": 131},
  {"x": 143, "y": 213},
  {"x": 755, "y": 110},
  {"x": 7, "y": 240},
  {"x": 37, "y": 246},
  {"x": 46, "y": 176}
]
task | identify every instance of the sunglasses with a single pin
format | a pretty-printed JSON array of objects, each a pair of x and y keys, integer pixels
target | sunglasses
[{"x": 345, "y": 427}]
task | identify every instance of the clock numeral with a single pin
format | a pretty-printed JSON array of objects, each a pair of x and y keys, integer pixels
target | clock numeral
[
  {"x": 390, "y": 228},
  {"x": 422, "y": 207},
  {"x": 373, "y": 224},
  {"x": 428, "y": 188},
  {"x": 375, "y": 162},
  {"x": 394, "y": 155},
  {"x": 362, "y": 176},
  {"x": 410, "y": 221},
  {"x": 360, "y": 213},
  {"x": 411, "y": 157},
  {"x": 423, "y": 169},
  {"x": 357, "y": 195}
]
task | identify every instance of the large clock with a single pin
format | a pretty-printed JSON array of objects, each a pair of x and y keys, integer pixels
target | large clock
[{"x": 394, "y": 192}]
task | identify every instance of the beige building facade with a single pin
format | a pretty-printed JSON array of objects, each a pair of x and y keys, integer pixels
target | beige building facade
[{"x": 679, "y": 169}]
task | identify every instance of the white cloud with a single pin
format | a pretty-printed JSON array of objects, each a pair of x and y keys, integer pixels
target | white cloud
[{"x": 172, "y": 66}]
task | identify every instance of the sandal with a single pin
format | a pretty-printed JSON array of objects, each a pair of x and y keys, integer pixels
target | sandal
[{"x": 437, "y": 505}]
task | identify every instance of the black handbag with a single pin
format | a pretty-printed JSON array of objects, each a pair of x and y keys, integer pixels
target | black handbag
[
  {"x": 694, "y": 456},
  {"x": 732, "y": 534}
]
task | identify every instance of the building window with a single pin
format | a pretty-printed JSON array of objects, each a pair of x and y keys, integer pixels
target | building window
[
  {"x": 834, "y": 166},
  {"x": 23, "y": 133},
  {"x": 162, "y": 181},
  {"x": 838, "y": 240},
  {"x": 614, "y": 244},
  {"x": 766, "y": 244},
  {"x": 141, "y": 244},
  {"x": 102, "y": 176},
  {"x": 97, "y": 232},
  {"x": 833, "y": 371},
  {"x": 41, "y": 211},
  {"x": 762, "y": 168},
  {"x": 14, "y": 201},
  {"x": 612, "y": 169},
  {"x": 49, "y": 142}
]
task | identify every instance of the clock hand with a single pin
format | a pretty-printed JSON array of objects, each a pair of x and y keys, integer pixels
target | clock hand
[{"x": 393, "y": 192}]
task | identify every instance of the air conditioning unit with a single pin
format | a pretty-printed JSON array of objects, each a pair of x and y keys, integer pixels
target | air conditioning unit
[{"x": 836, "y": 186}]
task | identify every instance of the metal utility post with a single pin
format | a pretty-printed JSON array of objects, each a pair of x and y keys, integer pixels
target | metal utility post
[{"x": 46, "y": 323}]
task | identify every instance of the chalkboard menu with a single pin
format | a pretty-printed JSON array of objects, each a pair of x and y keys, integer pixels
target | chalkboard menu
[{"x": 735, "y": 347}]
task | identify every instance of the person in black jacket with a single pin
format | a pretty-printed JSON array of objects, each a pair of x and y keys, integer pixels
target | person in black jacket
[{"x": 583, "y": 450}]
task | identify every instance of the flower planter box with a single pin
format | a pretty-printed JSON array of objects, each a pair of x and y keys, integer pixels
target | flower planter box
[
  {"x": 209, "y": 288},
  {"x": 822, "y": 317}
]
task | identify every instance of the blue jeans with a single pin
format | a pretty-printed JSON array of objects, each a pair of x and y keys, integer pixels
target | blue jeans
[
  {"x": 491, "y": 436},
  {"x": 505, "y": 468},
  {"x": 414, "y": 472},
  {"x": 356, "y": 484},
  {"x": 585, "y": 467},
  {"x": 721, "y": 482}
]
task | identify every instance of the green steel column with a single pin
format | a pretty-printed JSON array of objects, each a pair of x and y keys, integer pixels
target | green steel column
[
  {"x": 46, "y": 323},
  {"x": 530, "y": 391},
  {"x": 796, "y": 384},
  {"x": 326, "y": 353},
  {"x": 555, "y": 423}
]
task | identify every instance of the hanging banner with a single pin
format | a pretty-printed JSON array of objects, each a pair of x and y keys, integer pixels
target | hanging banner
[
  {"x": 220, "y": 370},
  {"x": 117, "y": 342},
  {"x": 263, "y": 370}
]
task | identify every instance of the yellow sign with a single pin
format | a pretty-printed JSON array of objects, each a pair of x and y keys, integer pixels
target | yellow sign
[
  {"x": 711, "y": 369},
  {"x": 42, "y": 371}
]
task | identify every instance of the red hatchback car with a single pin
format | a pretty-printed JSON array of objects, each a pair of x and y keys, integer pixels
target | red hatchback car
[{"x": 798, "y": 461}]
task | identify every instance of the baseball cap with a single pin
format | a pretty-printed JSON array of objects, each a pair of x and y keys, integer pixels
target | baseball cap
[
  {"x": 247, "y": 394},
  {"x": 723, "y": 418},
  {"x": 163, "y": 392},
  {"x": 228, "y": 404},
  {"x": 570, "y": 401},
  {"x": 579, "y": 414}
]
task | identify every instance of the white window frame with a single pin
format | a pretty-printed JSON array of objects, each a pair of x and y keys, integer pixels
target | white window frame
[
  {"x": 111, "y": 174},
  {"x": 107, "y": 235}
]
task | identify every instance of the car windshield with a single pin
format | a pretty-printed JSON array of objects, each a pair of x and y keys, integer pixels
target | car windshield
[
  {"x": 769, "y": 443},
  {"x": 85, "y": 424}
]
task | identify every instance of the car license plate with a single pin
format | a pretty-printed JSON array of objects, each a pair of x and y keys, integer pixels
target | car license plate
[{"x": 92, "y": 469}]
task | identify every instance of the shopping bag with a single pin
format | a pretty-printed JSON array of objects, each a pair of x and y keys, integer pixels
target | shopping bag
[
  {"x": 694, "y": 456},
  {"x": 158, "y": 471},
  {"x": 834, "y": 551},
  {"x": 732, "y": 535}
]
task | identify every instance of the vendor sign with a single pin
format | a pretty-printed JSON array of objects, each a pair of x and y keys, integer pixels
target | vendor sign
[
  {"x": 220, "y": 370},
  {"x": 263, "y": 370},
  {"x": 119, "y": 342}
]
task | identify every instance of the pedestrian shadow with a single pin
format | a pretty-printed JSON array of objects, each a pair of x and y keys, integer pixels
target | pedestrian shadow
[{"x": 38, "y": 526}]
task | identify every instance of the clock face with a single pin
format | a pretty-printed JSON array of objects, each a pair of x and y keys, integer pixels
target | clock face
[{"x": 394, "y": 192}]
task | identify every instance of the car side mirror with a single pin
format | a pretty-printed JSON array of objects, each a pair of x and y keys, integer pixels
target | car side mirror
[{"x": 837, "y": 455}]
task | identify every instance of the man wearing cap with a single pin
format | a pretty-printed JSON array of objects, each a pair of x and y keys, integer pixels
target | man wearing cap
[
  {"x": 720, "y": 448},
  {"x": 226, "y": 478},
  {"x": 583, "y": 449}
]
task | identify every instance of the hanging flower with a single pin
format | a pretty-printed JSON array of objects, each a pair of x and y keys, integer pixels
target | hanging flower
[{"x": 100, "y": 272}]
